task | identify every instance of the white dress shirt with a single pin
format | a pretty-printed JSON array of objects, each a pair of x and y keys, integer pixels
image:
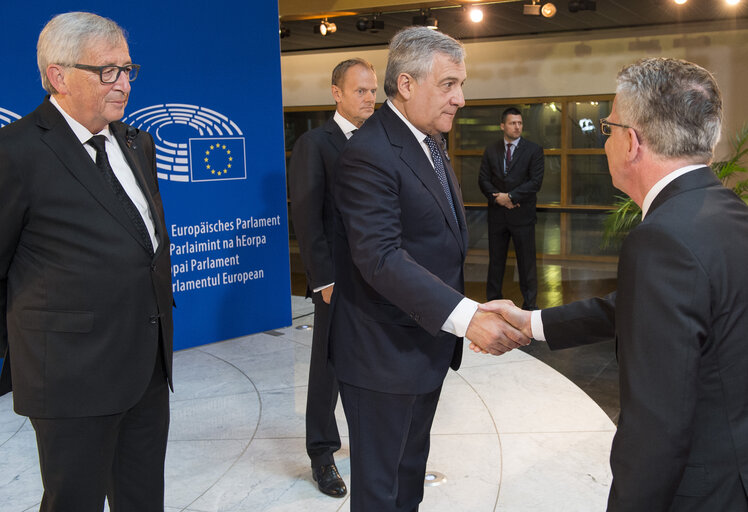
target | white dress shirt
[{"x": 119, "y": 165}]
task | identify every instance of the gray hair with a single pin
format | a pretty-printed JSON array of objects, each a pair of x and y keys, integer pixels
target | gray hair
[
  {"x": 412, "y": 51},
  {"x": 339, "y": 72},
  {"x": 674, "y": 105},
  {"x": 64, "y": 39}
]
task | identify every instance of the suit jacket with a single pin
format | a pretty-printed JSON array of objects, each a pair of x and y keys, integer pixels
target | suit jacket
[
  {"x": 399, "y": 257},
  {"x": 84, "y": 306},
  {"x": 680, "y": 317},
  {"x": 523, "y": 180},
  {"x": 310, "y": 176}
]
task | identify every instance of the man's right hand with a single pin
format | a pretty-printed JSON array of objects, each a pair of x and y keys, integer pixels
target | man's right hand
[
  {"x": 494, "y": 335},
  {"x": 327, "y": 293},
  {"x": 519, "y": 318}
]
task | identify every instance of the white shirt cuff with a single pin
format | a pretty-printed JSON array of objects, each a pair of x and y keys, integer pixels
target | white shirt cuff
[
  {"x": 459, "y": 319},
  {"x": 322, "y": 287},
  {"x": 536, "y": 325}
]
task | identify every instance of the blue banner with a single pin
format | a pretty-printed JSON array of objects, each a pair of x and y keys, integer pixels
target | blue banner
[{"x": 209, "y": 92}]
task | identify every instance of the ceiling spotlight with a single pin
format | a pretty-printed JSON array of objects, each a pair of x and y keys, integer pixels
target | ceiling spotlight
[
  {"x": 325, "y": 28},
  {"x": 532, "y": 9},
  {"x": 284, "y": 32},
  {"x": 733, "y": 2},
  {"x": 582, "y": 5},
  {"x": 680, "y": 2},
  {"x": 548, "y": 10},
  {"x": 476, "y": 14},
  {"x": 425, "y": 19},
  {"x": 373, "y": 25}
]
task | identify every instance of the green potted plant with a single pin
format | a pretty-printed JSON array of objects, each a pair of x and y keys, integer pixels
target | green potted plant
[{"x": 626, "y": 214}]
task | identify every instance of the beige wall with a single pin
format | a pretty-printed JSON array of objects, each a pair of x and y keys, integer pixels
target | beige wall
[{"x": 582, "y": 63}]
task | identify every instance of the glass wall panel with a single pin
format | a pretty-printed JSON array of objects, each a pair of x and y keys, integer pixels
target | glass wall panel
[
  {"x": 542, "y": 124},
  {"x": 586, "y": 235},
  {"x": 585, "y": 123},
  {"x": 478, "y": 126},
  {"x": 548, "y": 233},
  {"x": 550, "y": 191},
  {"x": 470, "y": 168},
  {"x": 296, "y": 123},
  {"x": 477, "y": 220},
  {"x": 590, "y": 180}
]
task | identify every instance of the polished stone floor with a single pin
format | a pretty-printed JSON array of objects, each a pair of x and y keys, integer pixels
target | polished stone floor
[{"x": 511, "y": 434}]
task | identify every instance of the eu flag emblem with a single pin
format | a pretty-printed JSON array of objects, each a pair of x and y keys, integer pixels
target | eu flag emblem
[{"x": 217, "y": 159}]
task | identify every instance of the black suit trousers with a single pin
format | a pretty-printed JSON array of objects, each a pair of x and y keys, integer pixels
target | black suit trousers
[
  {"x": 119, "y": 456},
  {"x": 523, "y": 236},
  {"x": 390, "y": 441},
  {"x": 322, "y": 437}
]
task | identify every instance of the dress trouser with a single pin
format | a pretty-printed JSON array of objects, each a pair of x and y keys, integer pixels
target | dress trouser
[
  {"x": 390, "y": 440},
  {"x": 120, "y": 456},
  {"x": 322, "y": 437},
  {"x": 524, "y": 248}
]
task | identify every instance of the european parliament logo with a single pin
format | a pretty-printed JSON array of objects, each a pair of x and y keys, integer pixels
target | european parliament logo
[
  {"x": 7, "y": 117},
  {"x": 217, "y": 159},
  {"x": 193, "y": 144}
]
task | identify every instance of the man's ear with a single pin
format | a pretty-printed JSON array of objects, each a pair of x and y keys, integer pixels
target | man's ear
[
  {"x": 405, "y": 84},
  {"x": 634, "y": 145},
  {"x": 337, "y": 94},
  {"x": 56, "y": 76}
]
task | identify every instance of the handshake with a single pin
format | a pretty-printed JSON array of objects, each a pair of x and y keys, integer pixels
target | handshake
[{"x": 498, "y": 327}]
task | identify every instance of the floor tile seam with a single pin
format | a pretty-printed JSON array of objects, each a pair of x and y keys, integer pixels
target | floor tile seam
[
  {"x": 14, "y": 434},
  {"x": 180, "y": 400},
  {"x": 559, "y": 432},
  {"x": 246, "y": 446},
  {"x": 266, "y": 352},
  {"x": 498, "y": 437},
  {"x": 212, "y": 440},
  {"x": 496, "y": 363},
  {"x": 605, "y": 367}
]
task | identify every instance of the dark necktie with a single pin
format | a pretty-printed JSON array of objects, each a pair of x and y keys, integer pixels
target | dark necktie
[
  {"x": 102, "y": 162},
  {"x": 508, "y": 160},
  {"x": 440, "y": 172}
]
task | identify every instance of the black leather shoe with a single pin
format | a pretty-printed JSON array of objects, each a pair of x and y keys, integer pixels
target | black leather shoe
[{"x": 329, "y": 481}]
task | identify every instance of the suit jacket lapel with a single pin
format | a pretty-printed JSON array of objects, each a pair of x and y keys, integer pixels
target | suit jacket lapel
[
  {"x": 415, "y": 158},
  {"x": 337, "y": 137},
  {"x": 71, "y": 153}
]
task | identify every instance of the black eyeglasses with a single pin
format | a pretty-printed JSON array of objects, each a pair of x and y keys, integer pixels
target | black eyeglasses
[
  {"x": 110, "y": 74},
  {"x": 605, "y": 126}
]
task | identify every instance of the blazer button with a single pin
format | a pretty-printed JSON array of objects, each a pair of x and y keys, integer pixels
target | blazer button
[
  {"x": 153, "y": 267},
  {"x": 154, "y": 319}
]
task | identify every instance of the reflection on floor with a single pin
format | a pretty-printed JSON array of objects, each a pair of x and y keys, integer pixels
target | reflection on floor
[{"x": 511, "y": 434}]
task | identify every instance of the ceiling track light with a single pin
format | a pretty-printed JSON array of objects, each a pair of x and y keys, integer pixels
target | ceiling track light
[
  {"x": 475, "y": 14},
  {"x": 548, "y": 10},
  {"x": 582, "y": 5},
  {"x": 325, "y": 27},
  {"x": 425, "y": 19},
  {"x": 373, "y": 24}
]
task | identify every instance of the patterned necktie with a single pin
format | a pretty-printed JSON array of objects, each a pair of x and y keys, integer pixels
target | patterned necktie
[
  {"x": 508, "y": 160},
  {"x": 102, "y": 162},
  {"x": 440, "y": 172}
]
